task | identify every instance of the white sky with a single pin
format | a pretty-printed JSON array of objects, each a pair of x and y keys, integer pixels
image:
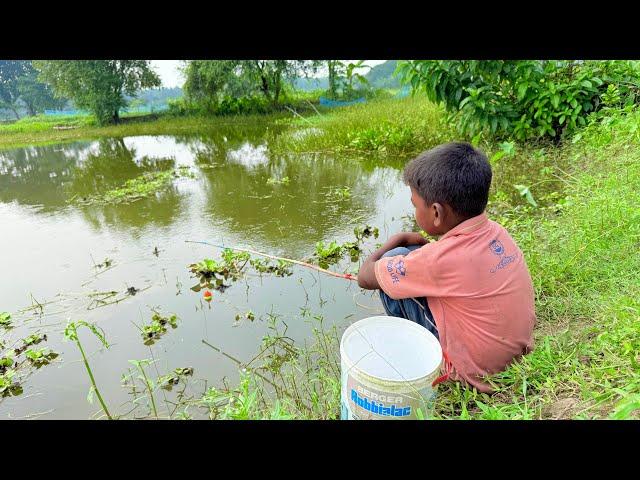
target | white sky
[{"x": 171, "y": 76}]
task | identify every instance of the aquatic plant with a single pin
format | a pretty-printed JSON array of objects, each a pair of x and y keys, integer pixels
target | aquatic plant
[
  {"x": 145, "y": 185},
  {"x": 331, "y": 253},
  {"x": 365, "y": 232},
  {"x": 382, "y": 138},
  {"x": 15, "y": 367},
  {"x": 281, "y": 269},
  {"x": 354, "y": 250},
  {"x": 5, "y": 319},
  {"x": 8, "y": 386},
  {"x": 339, "y": 193},
  {"x": 71, "y": 333},
  {"x": 158, "y": 327},
  {"x": 40, "y": 357},
  {"x": 328, "y": 253},
  {"x": 275, "y": 181},
  {"x": 212, "y": 274},
  {"x": 167, "y": 382},
  {"x": 248, "y": 315},
  {"x": 149, "y": 384},
  {"x": 283, "y": 381}
]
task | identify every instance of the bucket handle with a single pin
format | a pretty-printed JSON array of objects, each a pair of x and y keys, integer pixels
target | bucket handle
[
  {"x": 440, "y": 379},
  {"x": 444, "y": 377}
]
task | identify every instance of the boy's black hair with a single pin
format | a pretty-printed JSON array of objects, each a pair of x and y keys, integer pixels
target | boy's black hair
[{"x": 454, "y": 173}]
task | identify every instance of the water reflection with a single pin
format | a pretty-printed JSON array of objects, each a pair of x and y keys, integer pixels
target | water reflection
[
  {"x": 113, "y": 163},
  {"x": 296, "y": 214},
  {"x": 37, "y": 175},
  {"x": 244, "y": 190}
]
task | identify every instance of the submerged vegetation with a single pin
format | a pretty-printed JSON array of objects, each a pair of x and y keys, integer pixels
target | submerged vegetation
[
  {"x": 333, "y": 252},
  {"x": 18, "y": 360},
  {"x": 158, "y": 327},
  {"x": 145, "y": 185},
  {"x": 212, "y": 273}
]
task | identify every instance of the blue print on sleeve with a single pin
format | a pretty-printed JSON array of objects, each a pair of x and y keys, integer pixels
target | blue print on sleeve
[
  {"x": 395, "y": 270},
  {"x": 497, "y": 248}
]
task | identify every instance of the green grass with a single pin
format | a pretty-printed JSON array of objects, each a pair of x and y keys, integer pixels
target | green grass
[
  {"x": 382, "y": 126},
  {"x": 585, "y": 268},
  {"x": 41, "y": 123}
]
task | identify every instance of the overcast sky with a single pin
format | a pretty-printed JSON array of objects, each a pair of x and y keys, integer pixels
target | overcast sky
[{"x": 171, "y": 76}]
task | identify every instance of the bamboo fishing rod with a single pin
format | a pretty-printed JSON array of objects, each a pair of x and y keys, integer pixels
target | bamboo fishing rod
[{"x": 348, "y": 276}]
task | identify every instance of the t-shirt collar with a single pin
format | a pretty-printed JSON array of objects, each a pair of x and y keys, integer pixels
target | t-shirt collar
[{"x": 470, "y": 225}]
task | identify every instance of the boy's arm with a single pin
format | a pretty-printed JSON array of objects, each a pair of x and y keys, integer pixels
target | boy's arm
[{"x": 366, "y": 276}]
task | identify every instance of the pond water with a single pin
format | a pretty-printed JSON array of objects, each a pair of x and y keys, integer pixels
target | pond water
[{"x": 50, "y": 245}]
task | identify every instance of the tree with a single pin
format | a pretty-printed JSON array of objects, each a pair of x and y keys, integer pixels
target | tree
[
  {"x": 10, "y": 72},
  {"x": 336, "y": 70},
  {"x": 20, "y": 88},
  {"x": 525, "y": 98},
  {"x": 37, "y": 96},
  {"x": 210, "y": 80},
  {"x": 98, "y": 85},
  {"x": 352, "y": 75},
  {"x": 342, "y": 76},
  {"x": 271, "y": 73}
]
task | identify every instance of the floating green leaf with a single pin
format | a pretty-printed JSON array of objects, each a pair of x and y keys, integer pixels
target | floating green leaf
[{"x": 5, "y": 319}]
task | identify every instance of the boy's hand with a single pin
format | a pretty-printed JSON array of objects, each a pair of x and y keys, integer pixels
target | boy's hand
[
  {"x": 366, "y": 275},
  {"x": 404, "y": 239}
]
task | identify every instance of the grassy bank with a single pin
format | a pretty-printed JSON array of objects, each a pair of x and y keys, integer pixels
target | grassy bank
[
  {"x": 42, "y": 130},
  {"x": 581, "y": 245},
  {"x": 584, "y": 263},
  {"x": 385, "y": 126}
]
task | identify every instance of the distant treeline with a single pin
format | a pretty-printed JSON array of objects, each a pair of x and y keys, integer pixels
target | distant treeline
[{"x": 106, "y": 88}]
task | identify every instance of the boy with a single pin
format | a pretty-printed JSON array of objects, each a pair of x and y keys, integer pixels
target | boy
[{"x": 471, "y": 288}]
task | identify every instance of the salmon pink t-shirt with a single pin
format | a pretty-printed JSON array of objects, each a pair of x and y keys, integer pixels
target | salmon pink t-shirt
[{"x": 479, "y": 291}]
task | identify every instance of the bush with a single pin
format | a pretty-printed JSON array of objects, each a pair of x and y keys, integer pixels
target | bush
[
  {"x": 246, "y": 105},
  {"x": 242, "y": 105},
  {"x": 181, "y": 106},
  {"x": 523, "y": 99}
]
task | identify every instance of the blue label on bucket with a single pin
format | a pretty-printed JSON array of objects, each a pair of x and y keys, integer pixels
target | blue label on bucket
[
  {"x": 379, "y": 408},
  {"x": 366, "y": 402}
]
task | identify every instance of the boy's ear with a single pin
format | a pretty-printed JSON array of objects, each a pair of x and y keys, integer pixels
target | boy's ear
[{"x": 438, "y": 214}]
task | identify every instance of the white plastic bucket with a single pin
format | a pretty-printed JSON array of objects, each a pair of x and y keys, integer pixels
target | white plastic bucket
[{"x": 388, "y": 365}]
